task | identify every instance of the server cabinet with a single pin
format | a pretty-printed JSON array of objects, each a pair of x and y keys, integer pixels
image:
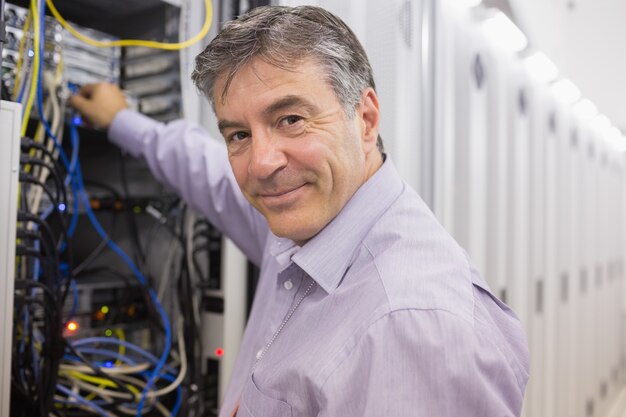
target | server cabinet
[{"x": 10, "y": 120}]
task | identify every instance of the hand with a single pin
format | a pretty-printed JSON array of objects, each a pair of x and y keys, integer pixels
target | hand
[{"x": 99, "y": 103}]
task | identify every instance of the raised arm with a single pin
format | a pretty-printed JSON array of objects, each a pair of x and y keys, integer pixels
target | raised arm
[{"x": 183, "y": 156}]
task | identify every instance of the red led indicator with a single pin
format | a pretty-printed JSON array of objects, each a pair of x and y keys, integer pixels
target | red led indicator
[{"x": 219, "y": 352}]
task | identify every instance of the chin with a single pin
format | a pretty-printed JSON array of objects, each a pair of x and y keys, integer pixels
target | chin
[{"x": 300, "y": 235}]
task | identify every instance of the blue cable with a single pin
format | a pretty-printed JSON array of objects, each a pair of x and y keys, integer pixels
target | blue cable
[
  {"x": 178, "y": 403},
  {"x": 179, "y": 395},
  {"x": 102, "y": 352},
  {"x": 74, "y": 307},
  {"x": 74, "y": 140},
  {"x": 78, "y": 345},
  {"x": 62, "y": 153},
  {"x": 83, "y": 400},
  {"x": 78, "y": 192},
  {"x": 166, "y": 325},
  {"x": 73, "y": 403},
  {"x": 69, "y": 164},
  {"x": 20, "y": 96}
]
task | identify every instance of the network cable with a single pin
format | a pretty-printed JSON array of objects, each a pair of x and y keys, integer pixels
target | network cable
[
  {"x": 136, "y": 42},
  {"x": 50, "y": 367}
]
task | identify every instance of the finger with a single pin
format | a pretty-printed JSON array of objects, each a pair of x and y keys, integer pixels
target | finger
[
  {"x": 87, "y": 90},
  {"x": 79, "y": 102},
  {"x": 83, "y": 105}
]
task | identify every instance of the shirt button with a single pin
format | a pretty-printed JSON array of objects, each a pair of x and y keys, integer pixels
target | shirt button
[
  {"x": 288, "y": 285},
  {"x": 259, "y": 354}
]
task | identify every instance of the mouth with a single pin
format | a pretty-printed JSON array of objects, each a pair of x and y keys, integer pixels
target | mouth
[{"x": 282, "y": 198}]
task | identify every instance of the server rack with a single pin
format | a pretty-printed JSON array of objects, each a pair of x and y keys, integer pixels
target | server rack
[{"x": 10, "y": 119}]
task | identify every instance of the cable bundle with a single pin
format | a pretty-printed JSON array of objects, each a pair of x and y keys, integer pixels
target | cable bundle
[{"x": 54, "y": 372}]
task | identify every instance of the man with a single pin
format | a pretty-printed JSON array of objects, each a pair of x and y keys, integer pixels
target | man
[{"x": 365, "y": 305}]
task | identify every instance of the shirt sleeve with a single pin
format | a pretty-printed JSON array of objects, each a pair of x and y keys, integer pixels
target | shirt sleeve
[
  {"x": 183, "y": 156},
  {"x": 422, "y": 363}
]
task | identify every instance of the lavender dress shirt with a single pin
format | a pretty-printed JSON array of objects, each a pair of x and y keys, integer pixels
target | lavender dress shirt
[{"x": 381, "y": 314}]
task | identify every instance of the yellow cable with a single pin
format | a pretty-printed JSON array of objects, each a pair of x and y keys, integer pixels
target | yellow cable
[
  {"x": 20, "y": 56},
  {"x": 137, "y": 42},
  {"x": 121, "y": 352},
  {"x": 100, "y": 381},
  {"x": 35, "y": 68},
  {"x": 59, "y": 72},
  {"x": 122, "y": 349}
]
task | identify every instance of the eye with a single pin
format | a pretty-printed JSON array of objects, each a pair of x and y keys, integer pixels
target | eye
[
  {"x": 239, "y": 136},
  {"x": 289, "y": 120}
]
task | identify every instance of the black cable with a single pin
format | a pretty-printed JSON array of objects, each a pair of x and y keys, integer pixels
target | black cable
[
  {"x": 27, "y": 144},
  {"x": 132, "y": 220},
  {"x": 3, "y": 30},
  {"x": 101, "y": 374},
  {"x": 39, "y": 383},
  {"x": 61, "y": 192},
  {"x": 50, "y": 164},
  {"x": 93, "y": 183},
  {"x": 31, "y": 235},
  {"x": 191, "y": 328},
  {"x": 26, "y": 251},
  {"x": 31, "y": 179},
  {"x": 23, "y": 284},
  {"x": 153, "y": 314},
  {"x": 89, "y": 259},
  {"x": 23, "y": 216}
]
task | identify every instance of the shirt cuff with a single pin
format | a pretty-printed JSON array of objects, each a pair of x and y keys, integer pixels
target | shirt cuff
[{"x": 128, "y": 129}]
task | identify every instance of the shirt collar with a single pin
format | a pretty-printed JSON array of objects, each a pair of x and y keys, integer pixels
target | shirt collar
[
  {"x": 327, "y": 256},
  {"x": 282, "y": 250}
]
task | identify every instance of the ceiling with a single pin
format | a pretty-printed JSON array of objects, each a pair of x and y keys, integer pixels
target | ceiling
[{"x": 586, "y": 39}]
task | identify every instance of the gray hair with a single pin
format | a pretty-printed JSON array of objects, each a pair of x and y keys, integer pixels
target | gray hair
[{"x": 285, "y": 37}]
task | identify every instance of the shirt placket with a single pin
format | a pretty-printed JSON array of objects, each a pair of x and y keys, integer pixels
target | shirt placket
[{"x": 290, "y": 291}]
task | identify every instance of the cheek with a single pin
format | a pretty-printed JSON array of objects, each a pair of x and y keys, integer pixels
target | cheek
[{"x": 240, "y": 169}]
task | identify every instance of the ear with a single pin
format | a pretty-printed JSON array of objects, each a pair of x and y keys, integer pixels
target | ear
[{"x": 369, "y": 113}]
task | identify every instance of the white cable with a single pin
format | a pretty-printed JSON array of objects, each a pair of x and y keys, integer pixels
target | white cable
[
  {"x": 121, "y": 369},
  {"x": 35, "y": 193},
  {"x": 52, "y": 111},
  {"x": 183, "y": 366},
  {"x": 151, "y": 394},
  {"x": 75, "y": 403},
  {"x": 104, "y": 393},
  {"x": 166, "y": 272},
  {"x": 189, "y": 230}
]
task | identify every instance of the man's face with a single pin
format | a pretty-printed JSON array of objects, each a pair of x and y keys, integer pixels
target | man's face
[{"x": 296, "y": 155}]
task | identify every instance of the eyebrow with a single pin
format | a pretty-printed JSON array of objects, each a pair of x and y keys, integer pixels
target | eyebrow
[
  {"x": 228, "y": 124},
  {"x": 277, "y": 106},
  {"x": 286, "y": 102}
]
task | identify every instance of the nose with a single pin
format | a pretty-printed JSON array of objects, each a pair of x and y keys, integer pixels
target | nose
[{"x": 267, "y": 157}]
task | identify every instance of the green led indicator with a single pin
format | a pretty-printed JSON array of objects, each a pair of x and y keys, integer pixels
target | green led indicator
[
  {"x": 108, "y": 333},
  {"x": 137, "y": 210},
  {"x": 105, "y": 309}
]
